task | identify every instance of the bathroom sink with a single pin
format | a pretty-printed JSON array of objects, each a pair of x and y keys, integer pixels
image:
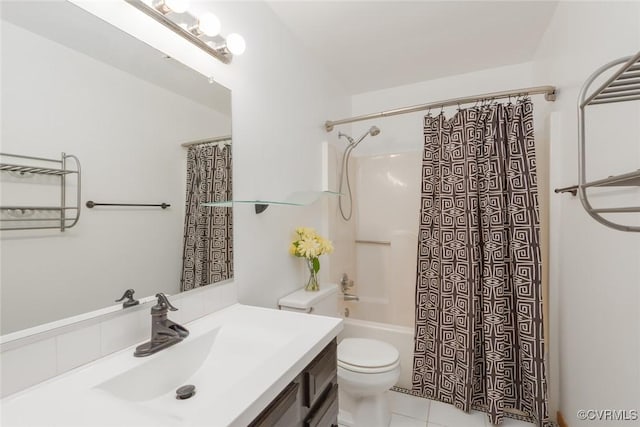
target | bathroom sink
[
  {"x": 163, "y": 373},
  {"x": 238, "y": 359},
  {"x": 202, "y": 359}
]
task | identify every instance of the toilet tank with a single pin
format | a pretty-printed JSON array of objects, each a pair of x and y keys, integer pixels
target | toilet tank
[{"x": 323, "y": 302}]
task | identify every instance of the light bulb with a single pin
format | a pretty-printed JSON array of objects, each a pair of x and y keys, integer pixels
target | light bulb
[
  {"x": 236, "y": 44},
  {"x": 177, "y": 6},
  {"x": 209, "y": 24}
]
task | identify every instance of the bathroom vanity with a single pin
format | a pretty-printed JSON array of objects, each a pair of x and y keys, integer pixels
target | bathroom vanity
[
  {"x": 310, "y": 400},
  {"x": 249, "y": 365}
]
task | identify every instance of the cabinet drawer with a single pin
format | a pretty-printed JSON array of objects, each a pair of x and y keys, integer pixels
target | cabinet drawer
[
  {"x": 320, "y": 373},
  {"x": 283, "y": 411},
  {"x": 327, "y": 413}
]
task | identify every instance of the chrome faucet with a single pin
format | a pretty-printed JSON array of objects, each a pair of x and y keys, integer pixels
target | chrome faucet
[
  {"x": 345, "y": 284},
  {"x": 164, "y": 332}
]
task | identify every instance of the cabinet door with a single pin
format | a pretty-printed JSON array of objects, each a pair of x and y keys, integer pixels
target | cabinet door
[
  {"x": 320, "y": 373},
  {"x": 284, "y": 411},
  {"x": 326, "y": 414}
]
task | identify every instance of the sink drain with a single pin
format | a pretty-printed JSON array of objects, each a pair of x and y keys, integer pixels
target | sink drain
[{"x": 185, "y": 392}]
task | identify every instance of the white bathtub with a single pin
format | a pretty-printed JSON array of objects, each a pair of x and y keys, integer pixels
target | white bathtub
[{"x": 401, "y": 337}]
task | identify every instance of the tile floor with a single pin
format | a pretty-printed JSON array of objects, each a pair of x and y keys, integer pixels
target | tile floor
[{"x": 411, "y": 411}]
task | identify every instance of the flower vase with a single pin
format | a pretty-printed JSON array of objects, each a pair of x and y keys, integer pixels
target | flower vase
[{"x": 312, "y": 283}]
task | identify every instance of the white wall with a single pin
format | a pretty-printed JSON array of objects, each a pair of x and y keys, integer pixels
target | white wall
[
  {"x": 127, "y": 134},
  {"x": 281, "y": 97},
  {"x": 595, "y": 279},
  {"x": 404, "y": 132}
]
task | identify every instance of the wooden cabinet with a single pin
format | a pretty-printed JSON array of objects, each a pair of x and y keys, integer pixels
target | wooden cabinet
[{"x": 310, "y": 400}]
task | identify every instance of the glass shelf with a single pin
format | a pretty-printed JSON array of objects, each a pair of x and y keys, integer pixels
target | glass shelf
[{"x": 299, "y": 198}]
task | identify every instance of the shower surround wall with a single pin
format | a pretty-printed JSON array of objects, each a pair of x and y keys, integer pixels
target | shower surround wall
[
  {"x": 384, "y": 227},
  {"x": 387, "y": 203}
]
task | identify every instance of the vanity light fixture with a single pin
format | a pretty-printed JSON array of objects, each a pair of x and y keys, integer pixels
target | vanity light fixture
[
  {"x": 208, "y": 24},
  {"x": 166, "y": 6},
  {"x": 235, "y": 44},
  {"x": 204, "y": 31}
]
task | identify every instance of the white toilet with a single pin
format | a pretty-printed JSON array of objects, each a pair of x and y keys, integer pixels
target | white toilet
[{"x": 367, "y": 368}]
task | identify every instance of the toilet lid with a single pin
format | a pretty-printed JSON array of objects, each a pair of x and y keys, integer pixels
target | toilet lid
[{"x": 366, "y": 353}]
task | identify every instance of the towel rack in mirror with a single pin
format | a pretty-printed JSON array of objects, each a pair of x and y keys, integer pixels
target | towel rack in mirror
[{"x": 41, "y": 217}]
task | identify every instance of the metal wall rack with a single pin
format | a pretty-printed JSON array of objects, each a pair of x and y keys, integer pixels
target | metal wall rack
[
  {"x": 34, "y": 217},
  {"x": 622, "y": 86}
]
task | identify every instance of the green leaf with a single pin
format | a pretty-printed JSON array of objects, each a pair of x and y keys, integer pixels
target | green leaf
[{"x": 316, "y": 265}]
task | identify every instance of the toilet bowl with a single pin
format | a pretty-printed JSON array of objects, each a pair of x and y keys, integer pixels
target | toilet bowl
[{"x": 367, "y": 369}]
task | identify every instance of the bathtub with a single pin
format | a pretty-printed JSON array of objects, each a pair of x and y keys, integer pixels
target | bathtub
[{"x": 401, "y": 337}]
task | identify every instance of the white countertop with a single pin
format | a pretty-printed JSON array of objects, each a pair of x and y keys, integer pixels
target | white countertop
[{"x": 239, "y": 359}]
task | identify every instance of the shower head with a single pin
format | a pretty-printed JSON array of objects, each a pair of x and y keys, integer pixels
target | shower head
[{"x": 373, "y": 131}]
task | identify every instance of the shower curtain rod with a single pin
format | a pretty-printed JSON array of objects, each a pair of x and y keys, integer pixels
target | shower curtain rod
[
  {"x": 207, "y": 141},
  {"x": 548, "y": 91}
]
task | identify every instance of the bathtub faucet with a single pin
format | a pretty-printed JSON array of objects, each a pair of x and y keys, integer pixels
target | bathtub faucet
[
  {"x": 345, "y": 283},
  {"x": 350, "y": 297}
]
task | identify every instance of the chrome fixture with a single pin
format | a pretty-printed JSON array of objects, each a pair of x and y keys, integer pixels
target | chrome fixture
[
  {"x": 548, "y": 91},
  {"x": 221, "y": 141},
  {"x": 345, "y": 285},
  {"x": 164, "y": 332},
  {"x": 62, "y": 216},
  {"x": 203, "y": 31},
  {"x": 622, "y": 86},
  {"x": 344, "y": 170},
  {"x": 130, "y": 302},
  {"x": 91, "y": 204},
  {"x": 185, "y": 392}
]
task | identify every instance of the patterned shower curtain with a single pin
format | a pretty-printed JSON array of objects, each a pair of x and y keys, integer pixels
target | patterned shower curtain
[
  {"x": 208, "y": 231},
  {"x": 479, "y": 331}
]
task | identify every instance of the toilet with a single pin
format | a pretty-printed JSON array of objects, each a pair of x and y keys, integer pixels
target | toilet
[{"x": 367, "y": 368}]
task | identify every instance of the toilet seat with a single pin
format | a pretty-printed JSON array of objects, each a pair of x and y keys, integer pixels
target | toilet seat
[{"x": 367, "y": 356}]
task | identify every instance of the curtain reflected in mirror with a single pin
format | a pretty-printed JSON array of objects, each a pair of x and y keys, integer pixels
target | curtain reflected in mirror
[
  {"x": 208, "y": 230},
  {"x": 125, "y": 110}
]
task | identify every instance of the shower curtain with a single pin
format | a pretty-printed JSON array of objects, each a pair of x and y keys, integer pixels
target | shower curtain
[
  {"x": 479, "y": 331},
  {"x": 208, "y": 231}
]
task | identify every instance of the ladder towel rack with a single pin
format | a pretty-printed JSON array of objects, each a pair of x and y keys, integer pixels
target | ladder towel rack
[{"x": 621, "y": 86}]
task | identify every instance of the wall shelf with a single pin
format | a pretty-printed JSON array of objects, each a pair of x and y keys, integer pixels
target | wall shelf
[
  {"x": 299, "y": 198},
  {"x": 38, "y": 217},
  {"x": 21, "y": 169},
  {"x": 622, "y": 86},
  {"x": 631, "y": 179}
]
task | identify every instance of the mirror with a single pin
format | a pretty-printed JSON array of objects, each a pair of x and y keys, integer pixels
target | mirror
[{"x": 72, "y": 83}]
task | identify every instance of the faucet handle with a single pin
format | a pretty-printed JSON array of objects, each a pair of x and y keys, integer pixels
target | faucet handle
[
  {"x": 163, "y": 302},
  {"x": 345, "y": 282},
  {"x": 130, "y": 300}
]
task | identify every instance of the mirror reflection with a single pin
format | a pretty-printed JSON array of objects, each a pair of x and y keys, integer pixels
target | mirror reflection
[{"x": 145, "y": 129}]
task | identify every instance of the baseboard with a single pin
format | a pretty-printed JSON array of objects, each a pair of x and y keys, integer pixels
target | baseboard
[{"x": 561, "y": 421}]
